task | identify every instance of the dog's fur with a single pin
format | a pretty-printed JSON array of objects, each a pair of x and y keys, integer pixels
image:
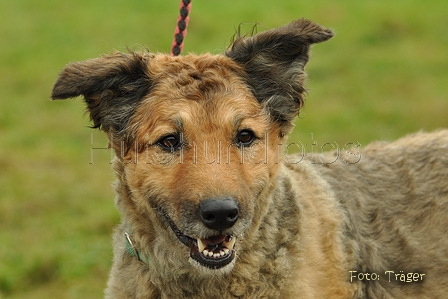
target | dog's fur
[{"x": 301, "y": 227}]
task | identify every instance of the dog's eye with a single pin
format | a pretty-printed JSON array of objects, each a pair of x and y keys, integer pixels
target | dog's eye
[
  {"x": 245, "y": 138},
  {"x": 170, "y": 143}
]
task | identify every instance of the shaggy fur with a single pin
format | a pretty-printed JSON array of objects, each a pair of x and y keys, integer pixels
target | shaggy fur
[{"x": 195, "y": 133}]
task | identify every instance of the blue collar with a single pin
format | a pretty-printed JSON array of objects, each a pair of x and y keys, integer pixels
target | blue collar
[{"x": 132, "y": 251}]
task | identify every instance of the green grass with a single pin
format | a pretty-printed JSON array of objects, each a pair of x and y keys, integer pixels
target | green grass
[{"x": 383, "y": 75}]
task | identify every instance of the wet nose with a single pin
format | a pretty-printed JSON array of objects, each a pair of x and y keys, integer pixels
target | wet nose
[{"x": 219, "y": 214}]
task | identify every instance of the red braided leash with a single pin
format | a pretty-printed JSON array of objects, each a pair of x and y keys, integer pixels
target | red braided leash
[{"x": 181, "y": 28}]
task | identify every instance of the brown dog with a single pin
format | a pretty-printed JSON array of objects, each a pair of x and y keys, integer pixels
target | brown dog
[{"x": 212, "y": 209}]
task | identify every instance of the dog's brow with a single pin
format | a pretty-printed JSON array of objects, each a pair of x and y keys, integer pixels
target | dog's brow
[
  {"x": 178, "y": 123},
  {"x": 239, "y": 118},
  {"x": 237, "y": 121}
]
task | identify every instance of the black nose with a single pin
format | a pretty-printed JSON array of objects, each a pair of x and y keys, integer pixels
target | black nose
[{"x": 219, "y": 214}]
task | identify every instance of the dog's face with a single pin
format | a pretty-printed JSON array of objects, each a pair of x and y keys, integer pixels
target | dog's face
[
  {"x": 199, "y": 153},
  {"x": 197, "y": 137}
]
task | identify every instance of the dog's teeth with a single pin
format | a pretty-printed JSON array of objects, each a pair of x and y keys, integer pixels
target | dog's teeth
[
  {"x": 228, "y": 246},
  {"x": 231, "y": 243},
  {"x": 201, "y": 245}
]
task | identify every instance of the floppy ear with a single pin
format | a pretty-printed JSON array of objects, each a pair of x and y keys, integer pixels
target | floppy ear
[
  {"x": 274, "y": 63},
  {"x": 112, "y": 86}
]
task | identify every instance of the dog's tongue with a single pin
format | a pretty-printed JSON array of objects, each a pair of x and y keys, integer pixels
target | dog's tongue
[{"x": 215, "y": 240}]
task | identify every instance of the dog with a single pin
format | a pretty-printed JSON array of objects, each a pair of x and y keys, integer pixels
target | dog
[{"x": 212, "y": 208}]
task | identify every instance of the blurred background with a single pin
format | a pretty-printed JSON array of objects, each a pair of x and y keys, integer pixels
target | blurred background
[{"x": 382, "y": 76}]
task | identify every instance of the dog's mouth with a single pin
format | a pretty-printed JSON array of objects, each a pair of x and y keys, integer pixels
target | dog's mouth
[{"x": 213, "y": 252}]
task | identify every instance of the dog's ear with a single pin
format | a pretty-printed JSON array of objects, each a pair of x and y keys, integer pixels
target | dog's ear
[
  {"x": 112, "y": 86},
  {"x": 274, "y": 63}
]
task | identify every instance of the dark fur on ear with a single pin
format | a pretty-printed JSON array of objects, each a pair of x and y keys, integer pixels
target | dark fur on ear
[
  {"x": 274, "y": 63},
  {"x": 112, "y": 86}
]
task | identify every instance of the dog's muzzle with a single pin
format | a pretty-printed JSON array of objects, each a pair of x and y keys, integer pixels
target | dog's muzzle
[{"x": 218, "y": 250}]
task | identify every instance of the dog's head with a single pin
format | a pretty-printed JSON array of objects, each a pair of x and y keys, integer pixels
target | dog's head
[{"x": 197, "y": 137}]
